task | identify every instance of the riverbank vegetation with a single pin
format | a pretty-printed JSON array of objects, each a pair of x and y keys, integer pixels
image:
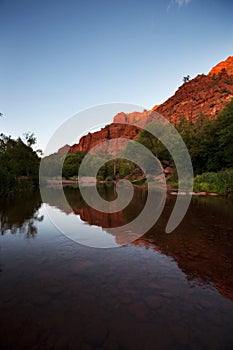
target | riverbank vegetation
[
  {"x": 19, "y": 165},
  {"x": 209, "y": 143},
  {"x": 220, "y": 182},
  {"x": 210, "y": 146}
]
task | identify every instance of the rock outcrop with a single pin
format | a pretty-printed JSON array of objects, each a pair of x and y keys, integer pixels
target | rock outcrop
[
  {"x": 112, "y": 132},
  {"x": 205, "y": 94},
  {"x": 64, "y": 149},
  {"x": 139, "y": 118},
  {"x": 227, "y": 65}
]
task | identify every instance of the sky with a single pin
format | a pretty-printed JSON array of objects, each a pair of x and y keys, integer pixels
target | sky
[{"x": 60, "y": 57}]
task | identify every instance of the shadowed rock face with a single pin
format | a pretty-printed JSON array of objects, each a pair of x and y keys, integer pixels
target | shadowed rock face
[
  {"x": 205, "y": 94},
  {"x": 64, "y": 149}
]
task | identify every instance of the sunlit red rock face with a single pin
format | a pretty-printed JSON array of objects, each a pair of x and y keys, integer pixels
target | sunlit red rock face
[
  {"x": 111, "y": 132},
  {"x": 139, "y": 118},
  {"x": 120, "y": 128},
  {"x": 205, "y": 94},
  {"x": 227, "y": 65}
]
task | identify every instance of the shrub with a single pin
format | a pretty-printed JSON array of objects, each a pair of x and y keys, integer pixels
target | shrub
[{"x": 214, "y": 182}]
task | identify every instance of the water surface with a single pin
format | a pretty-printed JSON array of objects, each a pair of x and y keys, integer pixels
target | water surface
[{"x": 163, "y": 291}]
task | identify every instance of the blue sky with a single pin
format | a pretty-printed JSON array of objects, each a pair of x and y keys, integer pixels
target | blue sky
[{"x": 60, "y": 57}]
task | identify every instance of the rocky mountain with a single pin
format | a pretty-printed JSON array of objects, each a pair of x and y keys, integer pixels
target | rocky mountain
[
  {"x": 111, "y": 132},
  {"x": 227, "y": 65},
  {"x": 205, "y": 94},
  {"x": 64, "y": 149}
]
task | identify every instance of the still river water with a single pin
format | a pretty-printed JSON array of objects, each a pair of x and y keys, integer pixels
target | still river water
[{"x": 163, "y": 291}]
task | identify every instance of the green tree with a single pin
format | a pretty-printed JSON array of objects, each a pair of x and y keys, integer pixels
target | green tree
[
  {"x": 17, "y": 161},
  {"x": 72, "y": 163}
]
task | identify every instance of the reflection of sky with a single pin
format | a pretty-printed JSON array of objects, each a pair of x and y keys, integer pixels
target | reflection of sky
[
  {"x": 54, "y": 221},
  {"x": 171, "y": 259},
  {"x": 79, "y": 231}
]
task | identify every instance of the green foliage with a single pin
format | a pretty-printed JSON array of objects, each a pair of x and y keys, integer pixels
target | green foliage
[
  {"x": 148, "y": 140},
  {"x": 30, "y": 139},
  {"x": 209, "y": 141},
  {"x": 125, "y": 168},
  {"x": 51, "y": 165},
  {"x": 117, "y": 168},
  {"x": 8, "y": 183},
  {"x": 71, "y": 164},
  {"x": 109, "y": 178},
  {"x": 19, "y": 165},
  {"x": 186, "y": 79},
  {"x": 214, "y": 182},
  {"x": 212, "y": 149}
]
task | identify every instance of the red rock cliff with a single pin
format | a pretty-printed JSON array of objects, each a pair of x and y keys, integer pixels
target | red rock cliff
[
  {"x": 206, "y": 94},
  {"x": 110, "y": 132},
  {"x": 227, "y": 65}
]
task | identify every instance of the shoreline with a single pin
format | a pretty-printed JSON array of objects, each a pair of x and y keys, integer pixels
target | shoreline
[{"x": 93, "y": 181}]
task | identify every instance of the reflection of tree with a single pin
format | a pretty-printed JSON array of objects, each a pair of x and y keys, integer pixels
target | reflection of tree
[
  {"x": 202, "y": 247},
  {"x": 19, "y": 214},
  {"x": 75, "y": 202}
]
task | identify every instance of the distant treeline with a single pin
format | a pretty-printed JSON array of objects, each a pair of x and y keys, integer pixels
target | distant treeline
[
  {"x": 19, "y": 165},
  {"x": 70, "y": 164}
]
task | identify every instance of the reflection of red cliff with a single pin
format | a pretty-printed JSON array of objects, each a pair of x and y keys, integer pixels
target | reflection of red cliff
[
  {"x": 202, "y": 248},
  {"x": 203, "y": 254},
  {"x": 204, "y": 268},
  {"x": 115, "y": 220},
  {"x": 98, "y": 218},
  {"x": 104, "y": 220},
  {"x": 195, "y": 256}
]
